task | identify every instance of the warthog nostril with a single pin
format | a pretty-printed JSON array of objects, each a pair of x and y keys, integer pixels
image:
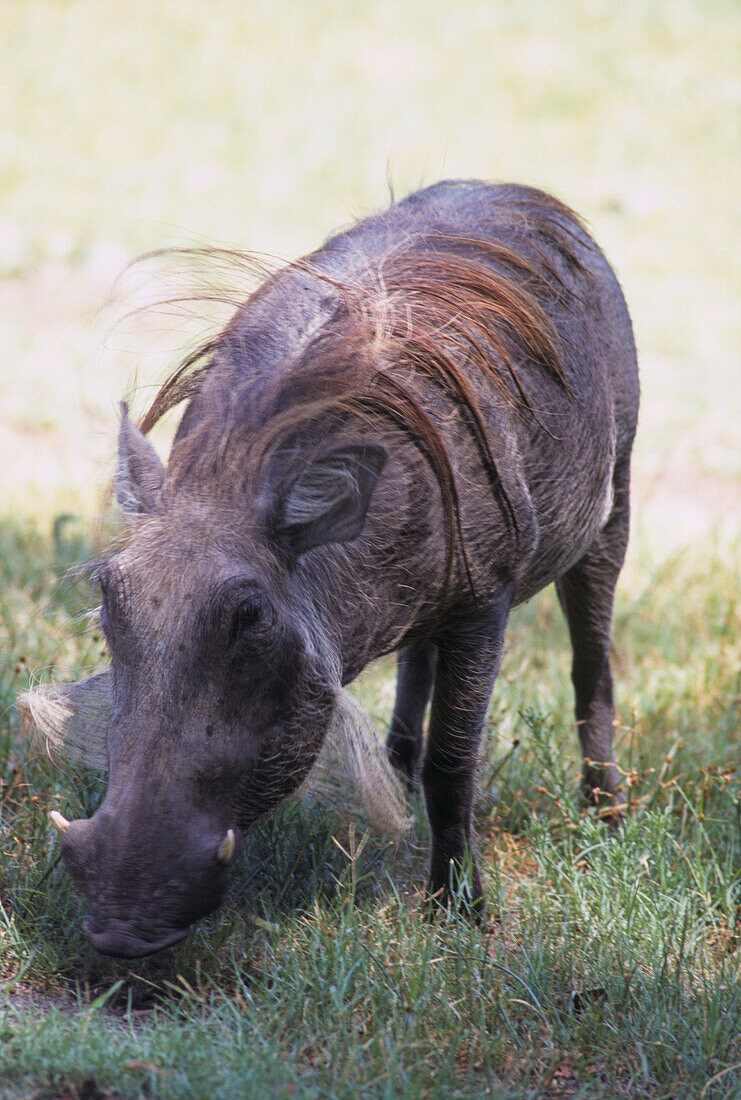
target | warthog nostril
[
  {"x": 59, "y": 821},
  {"x": 225, "y": 851}
]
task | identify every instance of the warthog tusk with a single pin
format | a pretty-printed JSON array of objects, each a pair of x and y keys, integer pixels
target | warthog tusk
[
  {"x": 59, "y": 821},
  {"x": 225, "y": 851}
]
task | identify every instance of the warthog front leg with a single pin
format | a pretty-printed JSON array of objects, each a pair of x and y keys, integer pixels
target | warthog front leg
[
  {"x": 415, "y": 673},
  {"x": 586, "y": 593},
  {"x": 467, "y": 664}
]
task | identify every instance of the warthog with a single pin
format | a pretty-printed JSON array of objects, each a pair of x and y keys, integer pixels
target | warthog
[{"x": 393, "y": 442}]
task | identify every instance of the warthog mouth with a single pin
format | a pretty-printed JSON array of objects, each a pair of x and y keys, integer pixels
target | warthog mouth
[{"x": 120, "y": 939}]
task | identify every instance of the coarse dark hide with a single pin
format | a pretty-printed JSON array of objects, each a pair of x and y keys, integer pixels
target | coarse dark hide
[{"x": 392, "y": 443}]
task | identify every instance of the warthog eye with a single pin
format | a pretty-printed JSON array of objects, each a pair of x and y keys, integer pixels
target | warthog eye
[
  {"x": 101, "y": 578},
  {"x": 246, "y": 616},
  {"x": 105, "y": 579}
]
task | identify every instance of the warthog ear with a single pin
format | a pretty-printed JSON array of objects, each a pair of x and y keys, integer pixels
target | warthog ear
[
  {"x": 328, "y": 499},
  {"x": 139, "y": 473}
]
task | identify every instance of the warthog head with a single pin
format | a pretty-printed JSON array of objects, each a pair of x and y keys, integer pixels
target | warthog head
[{"x": 224, "y": 682}]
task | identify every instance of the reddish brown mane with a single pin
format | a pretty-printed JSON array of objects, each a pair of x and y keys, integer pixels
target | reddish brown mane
[{"x": 452, "y": 311}]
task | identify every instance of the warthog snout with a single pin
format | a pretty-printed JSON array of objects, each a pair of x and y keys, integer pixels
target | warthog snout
[{"x": 144, "y": 890}]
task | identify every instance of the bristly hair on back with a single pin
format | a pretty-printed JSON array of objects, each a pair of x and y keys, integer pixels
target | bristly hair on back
[{"x": 449, "y": 310}]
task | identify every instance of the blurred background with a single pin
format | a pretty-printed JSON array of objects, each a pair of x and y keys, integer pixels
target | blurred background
[{"x": 131, "y": 126}]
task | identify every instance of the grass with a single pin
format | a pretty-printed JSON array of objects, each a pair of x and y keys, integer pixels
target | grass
[{"x": 611, "y": 965}]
